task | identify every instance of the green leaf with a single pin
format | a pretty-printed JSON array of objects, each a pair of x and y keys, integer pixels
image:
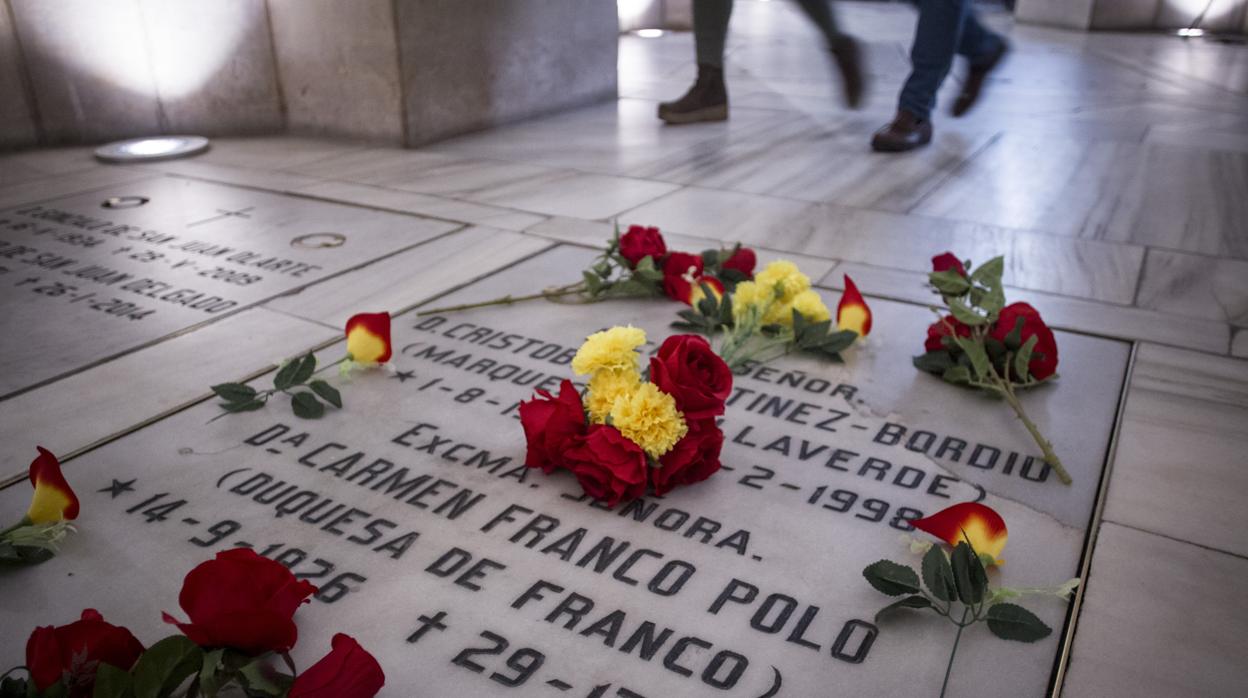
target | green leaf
[
  {"x": 593, "y": 282},
  {"x": 725, "y": 311},
  {"x": 958, "y": 375},
  {"x": 327, "y": 392},
  {"x": 890, "y": 578},
  {"x": 111, "y": 682},
  {"x": 1014, "y": 339},
  {"x": 989, "y": 273},
  {"x": 949, "y": 282},
  {"x": 646, "y": 264},
  {"x": 936, "y": 362},
  {"x": 165, "y": 665},
  {"x": 1013, "y": 622},
  {"x": 993, "y": 301},
  {"x": 978, "y": 356},
  {"x": 234, "y": 392},
  {"x": 963, "y": 312},
  {"x": 286, "y": 374},
  {"x": 1022, "y": 360},
  {"x": 710, "y": 258},
  {"x": 938, "y": 574},
  {"x": 968, "y": 575},
  {"x": 306, "y": 406},
  {"x": 211, "y": 679},
  {"x": 916, "y": 601},
  {"x": 56, "y": 690},
  {"x": 262, "y": 679},
  {"x": 243, "y": 406}
]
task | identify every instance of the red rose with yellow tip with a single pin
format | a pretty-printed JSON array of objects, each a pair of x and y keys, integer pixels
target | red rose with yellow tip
[
  {"x": 852, "y": 312},
  {"x": 53, "y": 500},
  {"x": 368, "y": 338},
  {"x": 969, "y": 522}
]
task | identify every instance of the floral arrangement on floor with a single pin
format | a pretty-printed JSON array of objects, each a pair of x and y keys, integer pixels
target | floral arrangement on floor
[
  {"x": 632, "y": 431},
  {"x": 638, "y": 264},
  {"x": 368, "y": 346},
  {"x": 53, "y": 505},
  {"x": 957, "y": 587},
  {"x": 241, "y": 610},
  {"x": 984, "y": 344}
]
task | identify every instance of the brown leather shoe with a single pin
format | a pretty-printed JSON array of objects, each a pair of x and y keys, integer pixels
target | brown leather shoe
[
  {"x": 906, "y": 132},
  {"x": 849, "y": 61},
  {"x": 975, "y": 80},
  {"x": 707, "y": 100}
]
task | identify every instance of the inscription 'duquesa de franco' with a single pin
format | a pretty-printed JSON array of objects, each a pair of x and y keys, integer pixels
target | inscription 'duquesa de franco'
[{"x": 466, "y": 573}]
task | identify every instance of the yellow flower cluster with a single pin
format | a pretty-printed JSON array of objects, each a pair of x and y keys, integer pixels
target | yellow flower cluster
[
  {"x": 616, "y": 394},
  {"x": 776, "y": 291}
]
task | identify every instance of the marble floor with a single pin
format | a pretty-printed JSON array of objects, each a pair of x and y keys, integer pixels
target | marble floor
[{"x": 1109, "y": 169}]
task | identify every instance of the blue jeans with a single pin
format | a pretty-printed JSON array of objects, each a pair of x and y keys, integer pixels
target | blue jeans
[{"x": 946, "y": 27}]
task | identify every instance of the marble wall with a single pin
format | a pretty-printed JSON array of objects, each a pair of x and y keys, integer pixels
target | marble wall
[
  {"x": 17, "y": 123},
  {"x": 468, "y": 65}
]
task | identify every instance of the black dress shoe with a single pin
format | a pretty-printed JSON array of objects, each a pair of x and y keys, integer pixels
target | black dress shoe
[
  {"x": 707, "y": 100},
  {"x": 906, "y": 132},
  {"x": 975, "y": 80},
  {"x": 849, "y": 62}
]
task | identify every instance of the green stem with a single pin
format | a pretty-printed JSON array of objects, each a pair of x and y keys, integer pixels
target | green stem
[
  {"x": 509, "y": 299},
  {"x": 952, "y": 653},
  {"x": 24, "y": 522},
  {"x": 1006, "y": 391}
]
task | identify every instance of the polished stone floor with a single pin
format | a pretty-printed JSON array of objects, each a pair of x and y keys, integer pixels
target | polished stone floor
[{"x": 1111, "y": 170}]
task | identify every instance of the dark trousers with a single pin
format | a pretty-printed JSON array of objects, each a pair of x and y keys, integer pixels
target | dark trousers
[
  {"x": 710, "y": 26},
  {"x": 946, "y": 27}
]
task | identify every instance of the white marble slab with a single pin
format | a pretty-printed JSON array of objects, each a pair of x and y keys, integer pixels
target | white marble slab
[
  {"x": 804, "y": 551},
  {"x": 421, "y": 204},
  {"x": 43, "y": 188},
  {"x": 1161, "y": 618},
  {"x": 1196, "y": 286},
  {"x": 1059, "y": 311},
  {"x": 90, "y": 288},
  {"x": 1081, "y": 268},
  {"x": 1180, "y": 465},
  {"x": 86, "y": 407}
]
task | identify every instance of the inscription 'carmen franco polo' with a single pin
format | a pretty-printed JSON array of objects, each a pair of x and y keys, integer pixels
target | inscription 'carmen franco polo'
[{"x": 467, "y": 574}]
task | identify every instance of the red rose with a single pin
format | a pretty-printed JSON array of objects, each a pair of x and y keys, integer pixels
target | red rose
[
  {"x": 77, "y": 649},
  {"x": 680, "y": 271},
  {"x": 1044, "y": 356},
  {"x": 947, "y": 261},
  {"x": 743, "y": 260},
  {"x": 686, "y": 368},
  {"x": 550, "y": 424},
  {"x": 242, "y": 601},
  {"x": 693, "y": 458},
  {"x": 639, "y": 243},
  {"x": 348, "y": 671},
  {"x": 608, "y": 466},
  {"x": 939, "y": 330}
]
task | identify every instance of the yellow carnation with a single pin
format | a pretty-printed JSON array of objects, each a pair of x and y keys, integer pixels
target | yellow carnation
[
  {"x": 604, "y": 388},
  {"x": 610, "y": 350},
  {"x": 648, "y": 417},
  {"x": 746, "y": 296},
  {"x": 786, "y": 275},
  {"x": 809, "y": 304}
]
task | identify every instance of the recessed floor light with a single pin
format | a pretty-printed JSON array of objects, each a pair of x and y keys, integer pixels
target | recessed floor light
[
  {"x": 650, "y": 33},
  {"x": 151, "y": 149}
]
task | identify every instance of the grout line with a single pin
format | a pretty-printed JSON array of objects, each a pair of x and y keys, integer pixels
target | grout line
[
  {"x": 1176, "y": 539},
  {"x": 1139, "y": 280}
]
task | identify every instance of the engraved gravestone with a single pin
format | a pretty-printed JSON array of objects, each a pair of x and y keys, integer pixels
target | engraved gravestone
[
  {"x": 467, "y": 574},
  {"x": 88, "y": 276}
]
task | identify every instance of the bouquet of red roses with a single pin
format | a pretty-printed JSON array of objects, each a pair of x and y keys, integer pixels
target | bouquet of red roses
[
  {"x": 983, "y": 343},
  {"x": 632, "y": 430},
  {"x": 638, "y": 264}
]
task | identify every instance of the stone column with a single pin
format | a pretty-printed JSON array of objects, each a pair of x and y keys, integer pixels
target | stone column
[{"x": 17, "y": 123}]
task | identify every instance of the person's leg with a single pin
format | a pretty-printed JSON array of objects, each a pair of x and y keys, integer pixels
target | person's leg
[
  {"x": 984, "y": 49},
  {"x": 936, "y": 40},
  {"x": 707, "y": 100},
  {"x": 710, "y": 30},
  {"x": 844, "y": 48}
]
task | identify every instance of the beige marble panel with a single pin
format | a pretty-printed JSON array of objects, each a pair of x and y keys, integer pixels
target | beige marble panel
[
  {"x": 576, "y": 194},
  {"x": 51, "y": 187},
  {"x": 17, "y": 122},
  {"x": 406, "y": 279},
  {"x": 1161, "y": 619},
  {"x": 338, "y": 64},
  {"x": 1081, "y": 268},
  {"x": 227, "y": 174},
  {"x": 422, "y": 204},
  {"x": 1069, "y": 14},
  {"x": 1064, "y": 312},
  {"x": 94, "y": 404},
  {"x": 1180, "y": 470},
  {"x": 276, "y": 152},
  {"x": 1195, "y": 286}
]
